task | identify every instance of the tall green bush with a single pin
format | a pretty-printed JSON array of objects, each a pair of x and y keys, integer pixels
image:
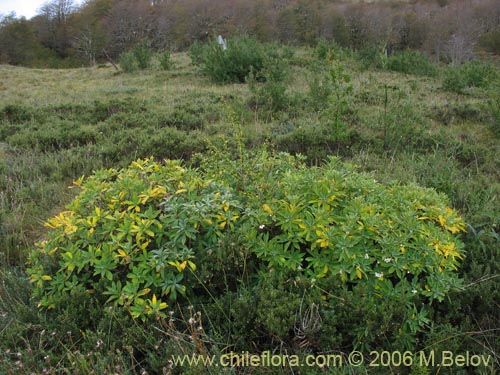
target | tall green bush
[
  {"x": 143, "y": 55},
  {"x": 137, "y": 59},
  {"x": 269, "y": 85},
  {"x": 330, "y": 95},
  {"x": 374, "y": 56},
  {"x": 166, "y": 60},
  {"x": 243, "y": 55},
  {"x": 128, "y": 63},
  {"x": 195, "y": 52}
]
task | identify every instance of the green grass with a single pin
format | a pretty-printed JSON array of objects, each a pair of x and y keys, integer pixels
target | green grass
[{"x": 56, "y": 125}]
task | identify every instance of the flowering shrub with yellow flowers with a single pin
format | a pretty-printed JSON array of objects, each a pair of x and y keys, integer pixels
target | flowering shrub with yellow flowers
[{"x": 158, "y": 232}]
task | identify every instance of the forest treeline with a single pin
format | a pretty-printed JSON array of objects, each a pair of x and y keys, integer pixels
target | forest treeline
[{"x": 63, "y": 34}]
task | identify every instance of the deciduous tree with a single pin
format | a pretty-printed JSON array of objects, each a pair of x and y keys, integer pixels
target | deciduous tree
[
  {"x": 18, "y": 42},
  {"x": 53, "y": 25},
  {"x": 90, "y": 37}
]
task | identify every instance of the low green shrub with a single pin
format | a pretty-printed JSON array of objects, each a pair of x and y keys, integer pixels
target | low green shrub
[
  {"x": 454, "y": 81},
  {"x": 411, "y": 62},
  {"x": 404, "y": 127},
  {"x": 324, "y": 48},
  {"x": 330, "y": 96},
  {"x": 313, "y": 140},
  {"x": 78, "y": 335},
  {"x": 329, "y": 50},
  {"x": 319, "y": 91},
  {"x": 143, "y": 56},
  {"x": 166, "y": 60},
  {"x": 16, "y": 114},
  {"x": 339, "y": 84},
  {"x": 491, "y": 41},
  {"x": 128, "y": 62},
  {"x": 191, "y": 115},
  {"x": 173, "y": 143},
  {"x": 103, "y": 110},
  {"x": 142, "y": 237},
  {"x": 449, "y": 112},
  {"x": 195, "y": 52},
  {"x": 374, "y": 57},
  {"x": 469, "y": 75},
  {"x": 137, "y": 59},
  {"x": 494, "y": 107},
  {"x": 56, "y": 136},
  {"x": 269, "y": 86}
]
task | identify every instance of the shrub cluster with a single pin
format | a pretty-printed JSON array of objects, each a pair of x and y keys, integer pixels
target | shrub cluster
[
  {"x": 411, "y": 62},
  {"x": 139, "y": 58},
  {"x": 243, "y": 55},
  {"x": 128, "y": 62},
  {"x": 152, "y": 233},
  {"x": 373, "y": 56},
  {"x": 469, "y": 75},
  {"x": 329, "y": 49},
  {"x": 142, "y": 55},
  {"x": 166, "y": 60},
  {"x": 269, "y": 85},
  {"x": 407, "y": 62},
  {"x": 494, "y": 106},
  {"x": 329, "y": 98},
  {"x": 491, "y": 41}
]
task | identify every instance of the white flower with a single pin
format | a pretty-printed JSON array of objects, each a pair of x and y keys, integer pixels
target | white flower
[
  {"x": 379, "y": 274},
  {"x": 388, "y": 260},
  {"x": 414, "y": 291},
  {"x": 366, "y": 256},
  {"x": 262, "y": 226}
]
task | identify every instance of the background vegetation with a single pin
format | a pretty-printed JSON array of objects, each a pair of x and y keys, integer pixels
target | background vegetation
[
  {"x": 66, "y": 35},
  {"x": 402, "y": 118}
]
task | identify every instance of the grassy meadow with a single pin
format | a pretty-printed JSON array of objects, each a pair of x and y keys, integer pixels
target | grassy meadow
[{"x": 57, "y": 125}]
